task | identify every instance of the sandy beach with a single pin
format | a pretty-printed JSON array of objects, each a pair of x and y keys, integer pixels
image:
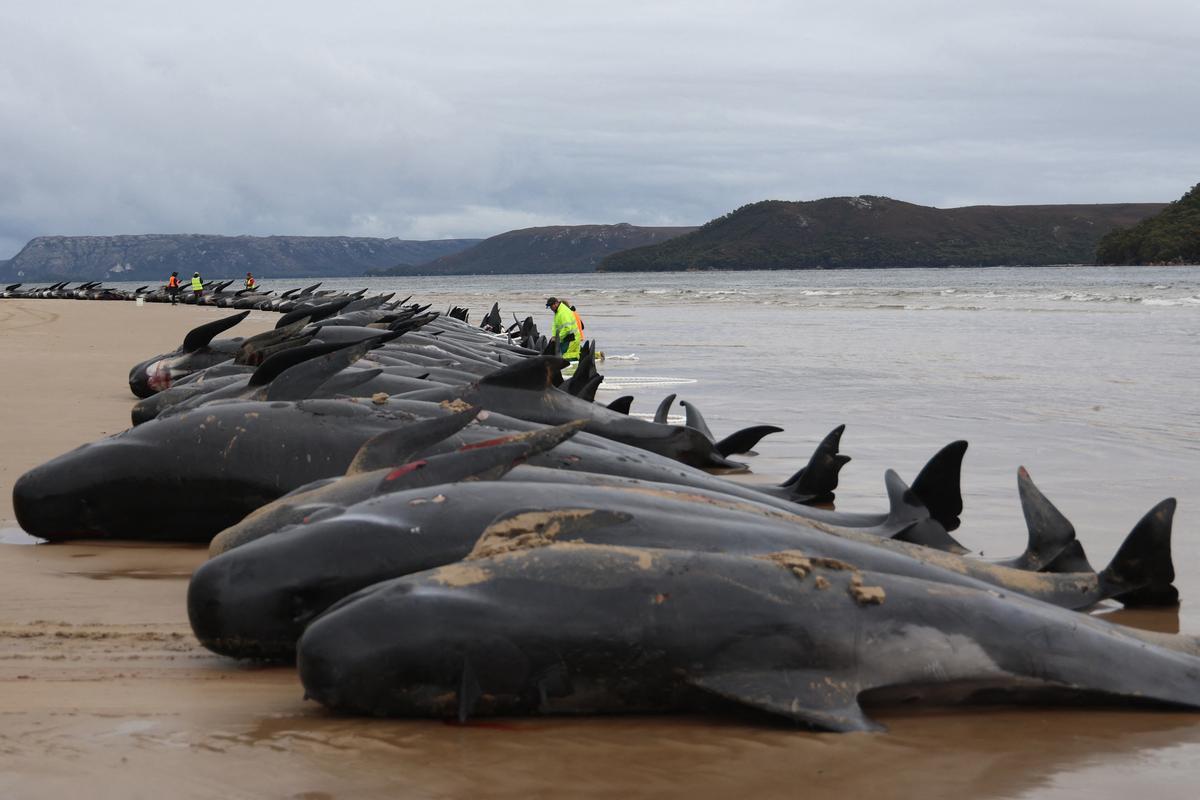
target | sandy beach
[{"x": 104, "y": 692}]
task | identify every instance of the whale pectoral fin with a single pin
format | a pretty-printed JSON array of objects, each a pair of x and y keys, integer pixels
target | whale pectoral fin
[{"x": 820, "y": 699}]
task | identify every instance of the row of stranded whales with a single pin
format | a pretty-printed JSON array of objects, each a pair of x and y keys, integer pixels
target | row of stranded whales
[
  {"x": 431, "y": 520},
  {"x": 215, "y": 293}
]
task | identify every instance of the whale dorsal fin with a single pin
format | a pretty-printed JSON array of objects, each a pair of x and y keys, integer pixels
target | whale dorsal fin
[
  {"x": 743, "y": 441},
  {"x": 622, "y": 404},
  {"x": 1049, "y": 531},
  {"x": 533, "y": 374},
  {"x": 939, "y": 484},
  {"x": 694, "y": 419},
  {"x": 201, "y": 336},
  {"x": 925, "y": 530},
  {"x": 815, "y": 482},
  {"x": 660, "y": 414},
  {"x": 404, "y": 443}
]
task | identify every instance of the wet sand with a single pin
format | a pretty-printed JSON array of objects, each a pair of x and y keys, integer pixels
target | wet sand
[{"x": 104, "y": 692}]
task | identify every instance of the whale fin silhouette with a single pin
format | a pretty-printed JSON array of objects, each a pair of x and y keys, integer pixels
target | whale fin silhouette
[
  {"x": 346, "y": 380},
  {"x": 815, "y": 482},
  {"x": 1142, "y": 572},
  {"x": 301, "y": 380},
  {"x": 1049, "y": 531},
  {"x": 928, "y": 531},
  {"x": 277, "y": 363},
  {"x": 694, "y": 419},
  {"x": 743, "y": 441},
  {"x": 534, "y": 374},
  {"x": 622, "y": 404},
  {"x": 407, "y": 441},
  {"x": 588, "y": 392},
  {"x": 202, "y": 335},
  {"x": 939, "y": 484},
  {"x": 660, "y": 414}
]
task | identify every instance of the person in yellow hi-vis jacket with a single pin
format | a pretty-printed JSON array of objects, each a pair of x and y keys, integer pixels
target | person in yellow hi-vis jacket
[{"x": 565, "y": 329}]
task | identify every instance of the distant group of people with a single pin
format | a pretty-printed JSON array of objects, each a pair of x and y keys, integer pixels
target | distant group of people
[
  {"x": 174, "y": 286},
  {"x": 567, "y": 327}
]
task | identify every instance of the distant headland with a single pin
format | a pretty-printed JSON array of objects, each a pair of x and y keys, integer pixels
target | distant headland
[{"x": 833, "y": 233}]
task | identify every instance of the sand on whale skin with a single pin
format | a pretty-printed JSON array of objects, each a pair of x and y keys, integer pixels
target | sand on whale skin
[{"x": 105, "y": 693}]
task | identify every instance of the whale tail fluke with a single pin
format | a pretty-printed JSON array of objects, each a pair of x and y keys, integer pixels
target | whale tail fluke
[{"x": 1142, "y": 572}]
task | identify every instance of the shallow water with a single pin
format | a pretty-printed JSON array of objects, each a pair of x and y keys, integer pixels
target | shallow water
[{"x": 1087, "y": 376}]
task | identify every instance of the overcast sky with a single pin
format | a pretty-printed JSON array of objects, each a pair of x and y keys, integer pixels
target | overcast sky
[{"x": 466, "y": 119}]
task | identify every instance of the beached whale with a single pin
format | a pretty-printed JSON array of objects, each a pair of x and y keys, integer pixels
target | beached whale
[
  {"x": 585, "y": 629},
  {"x": 253, "y": 600}
]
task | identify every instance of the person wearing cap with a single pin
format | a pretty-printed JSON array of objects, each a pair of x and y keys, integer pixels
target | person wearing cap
[
  {"x": 564, "y": 329},
  {"x": 197, "y": 286}
]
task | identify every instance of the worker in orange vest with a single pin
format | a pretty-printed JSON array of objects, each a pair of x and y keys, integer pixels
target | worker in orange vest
[{"x": 173, "y": 287}]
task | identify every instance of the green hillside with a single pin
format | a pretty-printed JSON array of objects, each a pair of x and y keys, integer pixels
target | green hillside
[
  {"x": 866, "y": 231},
  {"x": 1169, "y": 237}
]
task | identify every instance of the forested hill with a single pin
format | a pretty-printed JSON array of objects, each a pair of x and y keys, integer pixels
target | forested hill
[
  {"x": 558, "y": 248},
  {"x": 1169, "y": 237},
  {"x": 153, "y": 257},
  {"x": 867, "y": 231}
]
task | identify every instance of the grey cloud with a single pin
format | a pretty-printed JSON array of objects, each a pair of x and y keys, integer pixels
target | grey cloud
[{"x": 467, "y": 119}]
